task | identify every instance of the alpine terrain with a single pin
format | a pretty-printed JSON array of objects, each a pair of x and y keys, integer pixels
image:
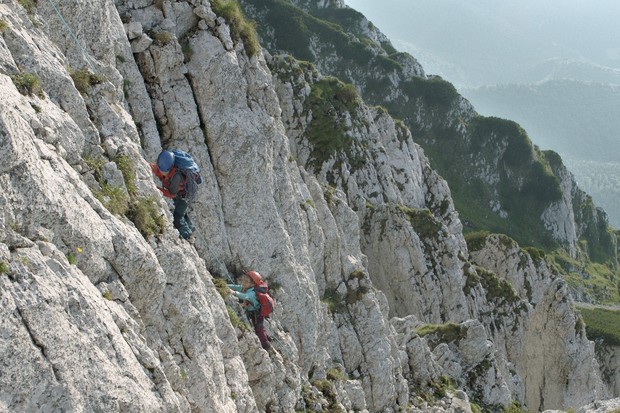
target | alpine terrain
[{"x": 422, "y": 257}]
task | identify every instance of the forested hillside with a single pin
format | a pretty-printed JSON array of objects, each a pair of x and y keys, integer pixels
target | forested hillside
[{"x": 579, "y": 117}]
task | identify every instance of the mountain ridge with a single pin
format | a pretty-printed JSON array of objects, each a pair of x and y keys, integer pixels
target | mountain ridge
[{"x": 383, "y": 304}]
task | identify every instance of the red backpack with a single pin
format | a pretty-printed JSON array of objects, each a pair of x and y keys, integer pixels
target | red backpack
[
  {"x": 261, "y": 289},
  {"x": 267, "y": 303}
]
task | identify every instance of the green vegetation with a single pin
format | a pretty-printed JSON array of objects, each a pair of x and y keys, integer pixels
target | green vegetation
[
  {"x": 4, "y": 267},
  {"x": 496, "y": 289},
  {"x": 422, "y": 221},
  {"x": 295, "y": 28},
  {"x": 436, "y": 93},
  {"x": 358, "y": 273},
  {"x": 28, "y": 84},
  {"x": 355, "y": 294},
  {"x": 476, "y": 240},
  {"x": 114, "y": 198},
  {"x": 241, "y": 28},
  {"x": 328, "y": 102},
  {"x": 221, "y": 286},
  {"x": 335, "y": 303},
  {"x": 125, "y": 165},
  {"x": 514, "y": 407},
  {"x": 537, "y": 254},
  {"x": 526, "y": 186},
  {"x": 442, "y": 386},
  {"x": 107, "y": 295},
  {"x": 236, "y": 321},
  {"x": 142, "y": 211},
  {"x": 443, "y": 333},
  {"x": 146, "y": 216},
  {"x": 83, "y": 79},
  {"x": 163, "y": 37},
  {"x": 183, "y": 376},
  {"x": 96, "y": 165},
  {"x": 29, "y": 5},
  {"x": 4, "y": 26},
  {"x": 327, "y": 388},
  {"x": 475, "y": 408},
  {"x": 72, "y": 258},
  {"x": 600, "y": 282},
  {"x": 335, "y": 374}
]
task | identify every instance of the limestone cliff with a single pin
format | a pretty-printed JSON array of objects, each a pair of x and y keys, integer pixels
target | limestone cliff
[
  {"x": 382, "y": 306},
  {"x": 493, "y": 168}
]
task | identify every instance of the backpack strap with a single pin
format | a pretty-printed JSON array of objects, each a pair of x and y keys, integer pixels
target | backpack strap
[{"x": 191, "y": 184}]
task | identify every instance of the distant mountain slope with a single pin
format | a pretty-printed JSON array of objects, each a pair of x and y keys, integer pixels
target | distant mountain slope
[
  {"x": 496, "y": 42},
  {"x": 575, "y": 69},
  {"x": 577, "y": 119},
  {"x": 602, "y": 181},
  {"x": 499, "y": 181}
]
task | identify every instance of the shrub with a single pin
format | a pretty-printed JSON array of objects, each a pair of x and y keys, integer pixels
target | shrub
[
  {"x": 476, "y": 240},
  {"x": 113, "y": 198},
  {"x": 435, "y": 92},
  {"x": 3, "y": 26},
  {"x": 333, "y": 301},
  {"x": 83, "y": 79},
  {"x": 125, "y": 165},
  {"x": 602, "y": 324},
  {"x": 221, "y": 286},
  {"x": 4, "y": 267},
  {"x": 96, "y": 164},
  {"x": 29, "y": 5},
  {"x": 357, "y": 273},
  {"x": 241, "y": 28},
  {"x": 514, "y": 407},
  {"x": 537, "y": 254},
  {"x": 496, "y": 288},
  {"x": 107, "y": 295},
  {"x": 164, "y": 37},
  {"x": 145, "y": 215},
  {"x": 236, "y": 321},
  {"x": 71, "y": 258},
  {"x": 28, "y": 84},
  {"x": 422, "y": 221},
  {"x": 335, "y": 374},
  {"x": 328, "y": 102},
  {"x": 445, "y": 333}
]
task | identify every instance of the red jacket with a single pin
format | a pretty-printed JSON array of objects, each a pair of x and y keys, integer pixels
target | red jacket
[{"x": 173, "y": 182}]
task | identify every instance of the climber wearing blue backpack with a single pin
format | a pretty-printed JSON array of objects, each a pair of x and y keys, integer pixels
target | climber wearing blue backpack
[{"x": 180, "y": 177}]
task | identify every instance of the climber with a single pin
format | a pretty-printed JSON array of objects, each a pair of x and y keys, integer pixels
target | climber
[
  {"x": 180, "y": 177},
  {"x": 246, "y": 293}
]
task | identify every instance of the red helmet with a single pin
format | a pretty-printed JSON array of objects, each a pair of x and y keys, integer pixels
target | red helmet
[{"x": 255, "y": 276}]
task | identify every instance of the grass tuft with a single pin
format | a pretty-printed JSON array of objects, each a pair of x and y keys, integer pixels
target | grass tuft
[
  {"x": 241, "y": 27},
  {"x": 83, "y": 79},
  {"x": 28, "y": 84},
  {"x": 145, "y": 214},
  {"x": 602, "y": 324}
]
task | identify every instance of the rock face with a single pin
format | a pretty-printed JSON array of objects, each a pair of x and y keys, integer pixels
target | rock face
[
  {"x": 491, "y": 163},
  {"x": 380, "y": 300}
]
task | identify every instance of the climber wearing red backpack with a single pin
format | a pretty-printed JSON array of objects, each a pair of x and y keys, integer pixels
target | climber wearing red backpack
[{"x": 253, "y": 293}]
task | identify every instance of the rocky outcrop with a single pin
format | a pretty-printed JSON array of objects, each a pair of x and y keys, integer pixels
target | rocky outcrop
[
  {"x": 379, "y": 302},
  {"x": 492, "y": 162}
]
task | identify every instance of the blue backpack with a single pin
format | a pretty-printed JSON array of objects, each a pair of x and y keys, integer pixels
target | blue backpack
[{"x": 186, "y": 164}]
